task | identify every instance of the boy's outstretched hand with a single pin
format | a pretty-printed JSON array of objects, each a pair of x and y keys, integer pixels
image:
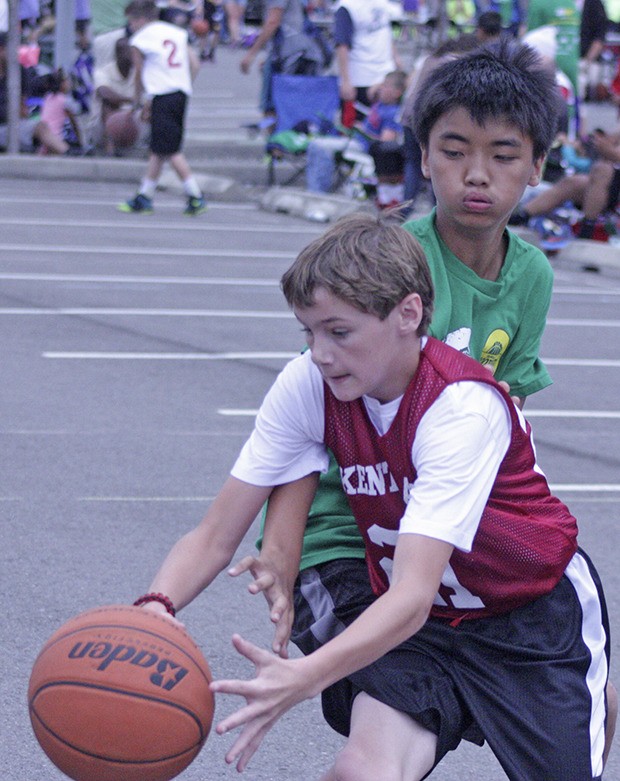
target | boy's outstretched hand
[
  {"x": 278, "y": 596},
  {"x": 279, "y": 684}
]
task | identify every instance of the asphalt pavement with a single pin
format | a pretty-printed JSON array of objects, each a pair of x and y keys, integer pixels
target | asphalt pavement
[{"x": 135, "y": 351}]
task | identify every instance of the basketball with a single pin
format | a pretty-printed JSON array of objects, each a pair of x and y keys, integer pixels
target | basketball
[
  {"x": 122, "y": 128},
  {"x": 200, "y": 26},
  {"x": 120, "y": 693}
]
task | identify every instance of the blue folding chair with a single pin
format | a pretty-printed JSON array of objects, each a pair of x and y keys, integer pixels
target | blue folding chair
[{"x": 308, "y": 103}]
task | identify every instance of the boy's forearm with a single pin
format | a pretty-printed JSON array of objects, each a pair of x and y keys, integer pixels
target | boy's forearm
[
  {"x": 201, "y": 554},
  {"x": 285, "y": 524}
]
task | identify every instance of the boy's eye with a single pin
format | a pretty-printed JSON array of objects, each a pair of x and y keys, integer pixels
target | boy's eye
[
  {"x": 339, "y": 333},
  {"x": 452, "y": 153}
]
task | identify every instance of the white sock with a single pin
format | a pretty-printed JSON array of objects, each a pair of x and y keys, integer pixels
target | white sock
[
  {"x": 148, "y": 187},
  {"x": 190, "y": 185}
]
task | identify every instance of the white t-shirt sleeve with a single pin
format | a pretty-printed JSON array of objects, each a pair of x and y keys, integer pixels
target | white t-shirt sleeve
[
  {"x": 459, "y": 446},
  {"x": 287, "y": 441}
]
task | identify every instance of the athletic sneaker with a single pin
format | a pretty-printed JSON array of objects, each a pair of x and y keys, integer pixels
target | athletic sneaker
[
  {"x": 553, "y": 235},
  {"x": 195, "y": 206},
  {"x": 138, "y": 205}
]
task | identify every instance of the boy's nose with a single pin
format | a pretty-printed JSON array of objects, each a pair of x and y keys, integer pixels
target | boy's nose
[
  {"x": 321, "y": 355},
  {"x": 477, "y": 172}
]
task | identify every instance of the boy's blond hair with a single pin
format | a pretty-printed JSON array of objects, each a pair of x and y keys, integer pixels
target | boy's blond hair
[{"x": 368, "y": 261}]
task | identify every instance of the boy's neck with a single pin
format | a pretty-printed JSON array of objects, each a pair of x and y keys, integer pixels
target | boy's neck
[{"x": 483, "y": 252}]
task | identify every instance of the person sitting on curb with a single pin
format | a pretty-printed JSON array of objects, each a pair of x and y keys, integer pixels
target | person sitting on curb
[{"x": 595, "y": 193}]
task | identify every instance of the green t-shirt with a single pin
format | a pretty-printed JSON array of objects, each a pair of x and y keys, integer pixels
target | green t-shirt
[
  {"x": 499, "y": 323},
  {"x": 567, "y": 20}
]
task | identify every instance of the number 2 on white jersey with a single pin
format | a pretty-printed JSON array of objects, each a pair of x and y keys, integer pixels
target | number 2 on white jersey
[{"x": 172, "y": 60}]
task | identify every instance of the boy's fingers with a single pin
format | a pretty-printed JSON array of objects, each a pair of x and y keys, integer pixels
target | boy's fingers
[
  {"x": 244, "y": 565},
  {"x": 261, "y": 583}
]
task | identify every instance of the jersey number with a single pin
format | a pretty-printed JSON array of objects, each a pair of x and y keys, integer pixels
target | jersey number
[
  {"x": 172, "y": 61},
  {"x": 451, "y": 593}
]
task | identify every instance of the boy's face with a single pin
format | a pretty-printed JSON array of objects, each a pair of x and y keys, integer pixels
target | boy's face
[
  {"x": 478, "y": 172},
  {"x": 388, "y": 92},
  {"x": 357, "y": 353}
]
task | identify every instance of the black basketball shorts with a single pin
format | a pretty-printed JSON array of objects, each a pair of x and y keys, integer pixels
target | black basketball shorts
[
  {"x": 168, "y": 123},
  {"x": 530, "y": 682}
]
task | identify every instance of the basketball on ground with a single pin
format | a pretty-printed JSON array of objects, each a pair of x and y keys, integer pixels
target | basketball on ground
[
  {"x": 122, "y": 128},
  {"x": 121, "y": 693}
]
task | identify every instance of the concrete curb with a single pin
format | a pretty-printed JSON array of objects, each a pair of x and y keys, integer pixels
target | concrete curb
[
  {"x": 584, "y": 253},
  {"x": 317, "y": 207},
  {"x": 127, "y": 171}
]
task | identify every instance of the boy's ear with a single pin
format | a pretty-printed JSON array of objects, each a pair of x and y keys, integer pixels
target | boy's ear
[
  {"x": 411, "y": 311},
  {"x": 537, "y": 171},
  {"x": 424, "y": 163}
]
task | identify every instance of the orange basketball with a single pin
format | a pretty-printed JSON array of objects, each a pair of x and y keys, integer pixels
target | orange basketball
[
  {"x": 200, "y": 26},
  {"x": 120, "y": 693},
  {"x": 122, "y": 128}
]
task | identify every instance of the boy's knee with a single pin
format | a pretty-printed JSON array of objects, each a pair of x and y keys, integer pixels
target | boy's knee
[{"x": 355, "y": 764}]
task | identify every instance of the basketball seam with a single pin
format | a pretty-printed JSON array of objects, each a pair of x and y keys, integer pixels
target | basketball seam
[{"x": 115, "y": 761}]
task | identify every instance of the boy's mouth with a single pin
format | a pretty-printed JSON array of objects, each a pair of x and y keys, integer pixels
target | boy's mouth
[{"x": 477, "y": 203}]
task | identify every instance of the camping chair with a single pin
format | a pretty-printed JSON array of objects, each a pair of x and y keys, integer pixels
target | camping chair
[{"x": 305, "y": 105}]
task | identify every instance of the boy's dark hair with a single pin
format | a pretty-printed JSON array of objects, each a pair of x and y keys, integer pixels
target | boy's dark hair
[
  {"x": 368, "y": 261},
  {"x": 142, "y": 9},
  {"x": 507, "y": 81},
  {"x": 490, "y": 23}
]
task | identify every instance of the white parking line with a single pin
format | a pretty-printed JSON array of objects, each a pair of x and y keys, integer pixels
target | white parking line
[
  {"x": 116, "y": 312},
  {"x": 87, "y": 249},
  {"x": 581, "y": 488},
  {"x": 529, "y": 413},
  {"x": 114, "y": 279},
  {"x": 185, "y": 226},
  {"x": 114, "y": 356},
  {"x": 100, "y": 356}
]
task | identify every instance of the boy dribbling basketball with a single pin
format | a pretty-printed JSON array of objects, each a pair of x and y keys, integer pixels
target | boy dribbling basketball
[{"x": 482, "y": 591}]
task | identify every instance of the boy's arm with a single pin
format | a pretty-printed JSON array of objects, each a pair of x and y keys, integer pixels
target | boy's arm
[
  {"x": 201, "y": 554},
  {"x": 347, "y": 91},
  {"x": 272, "y": 22},
  {"x": 419, "y": 563},
  {"x": 276, "y": 568},
  {"x": 138, "y": 61}
]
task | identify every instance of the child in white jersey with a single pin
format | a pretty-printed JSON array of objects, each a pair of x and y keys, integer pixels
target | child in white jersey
[
  {"x": 165, "y": 68},
  {"x": 481, "y": 589}
]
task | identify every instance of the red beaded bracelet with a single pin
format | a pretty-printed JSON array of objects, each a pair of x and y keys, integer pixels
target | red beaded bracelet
[{"x": 161, "y": 598}]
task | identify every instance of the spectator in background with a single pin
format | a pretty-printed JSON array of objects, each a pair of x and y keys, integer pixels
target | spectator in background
[
  {"x": 377, "y": 133},
  {"x": 114, "y": 89},
  {"x": 564, "y": 15},
  {"x": 365, "y": 51},
  {"x": 235, "y": 10},
  {"x": 32, "y": 130},
  {"x": 593, "y": 29},
  {"x": 290, "y": 50},
  {"x": 58, "y": 109},
  {"x": 82, "y": 23},
  {"x": 29, "y": 13}
]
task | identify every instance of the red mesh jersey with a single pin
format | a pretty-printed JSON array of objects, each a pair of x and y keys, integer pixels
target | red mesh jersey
[{"x": 526, "y": 536}]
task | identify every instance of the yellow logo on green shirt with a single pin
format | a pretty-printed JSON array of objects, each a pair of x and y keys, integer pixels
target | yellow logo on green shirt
[{"x": 495, "y": 346}]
